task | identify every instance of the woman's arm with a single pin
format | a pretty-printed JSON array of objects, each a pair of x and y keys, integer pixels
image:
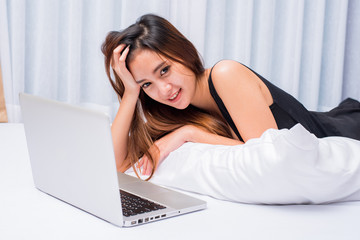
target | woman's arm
[
  {"x": 120, "y": 130},
  {"x": 198, "y": 135},
  {"x": 246, "y": 98},
  {"x": 189, "y": 133},
  {"x": 122, "y": 122}
]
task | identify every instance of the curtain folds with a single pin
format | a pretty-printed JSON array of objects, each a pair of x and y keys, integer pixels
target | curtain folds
[
  {"x": 3, "y": 114},
  {"x": 309, "y": 48}
]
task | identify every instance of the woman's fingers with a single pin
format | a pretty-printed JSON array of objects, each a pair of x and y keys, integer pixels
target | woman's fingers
[
  {"x": 145, "y": 166},
  {"x": 116, "y": 55},
  {"x": 149, "y": 168},
  {"x": 141, "y": 162},
  {"x": 124, "y": 54}
]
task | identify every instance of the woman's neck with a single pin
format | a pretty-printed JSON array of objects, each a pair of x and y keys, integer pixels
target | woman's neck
[{"x": 202, "y": 97}]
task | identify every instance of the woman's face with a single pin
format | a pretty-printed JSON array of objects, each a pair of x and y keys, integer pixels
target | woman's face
[{"x": 163, "y": 80}]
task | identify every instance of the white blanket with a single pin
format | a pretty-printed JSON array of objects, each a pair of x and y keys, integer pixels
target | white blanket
[{"x": 281, "y": 167}]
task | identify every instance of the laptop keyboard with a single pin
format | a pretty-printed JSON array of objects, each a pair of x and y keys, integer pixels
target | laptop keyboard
[{"x": 133, "y": 205}]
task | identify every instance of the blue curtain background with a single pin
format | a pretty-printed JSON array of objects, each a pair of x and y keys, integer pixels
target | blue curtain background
[{"x": 309, "y": 48}]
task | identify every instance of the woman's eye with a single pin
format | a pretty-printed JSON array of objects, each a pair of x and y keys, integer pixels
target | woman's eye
[
  {"x": 145, "y": 85},
  {"x": 164, "y": 70}
]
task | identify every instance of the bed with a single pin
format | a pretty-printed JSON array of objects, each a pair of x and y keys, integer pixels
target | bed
[{"x": 26, "y": 213}]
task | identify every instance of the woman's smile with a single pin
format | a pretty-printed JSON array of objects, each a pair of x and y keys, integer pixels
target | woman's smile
[{"x": 176, "y": 96}]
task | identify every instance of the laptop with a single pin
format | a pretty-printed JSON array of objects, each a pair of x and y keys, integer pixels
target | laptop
[{"x": 72, "y": 159}]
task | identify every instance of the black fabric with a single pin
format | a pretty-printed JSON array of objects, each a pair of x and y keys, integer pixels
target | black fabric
[{"x": 344, "y": 120}]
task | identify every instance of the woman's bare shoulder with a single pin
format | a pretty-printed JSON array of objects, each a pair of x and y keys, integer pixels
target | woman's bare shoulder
[
  {"x": 226, "y": 66},
  {"x": 229, "y": 72}
]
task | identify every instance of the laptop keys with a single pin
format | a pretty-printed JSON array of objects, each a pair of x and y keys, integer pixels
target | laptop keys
[{"x": 133, "y": 205}]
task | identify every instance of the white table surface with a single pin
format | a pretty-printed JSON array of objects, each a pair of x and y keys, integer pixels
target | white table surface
[{"x": 26, "y": 213}]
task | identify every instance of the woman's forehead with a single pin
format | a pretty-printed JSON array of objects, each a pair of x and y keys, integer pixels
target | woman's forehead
[
  {"x": 145, "y": 62},
  {"x": 147, "y": 55}
]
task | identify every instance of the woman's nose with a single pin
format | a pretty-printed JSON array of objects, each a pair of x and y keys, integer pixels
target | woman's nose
[{"x": 165, "y": 88}]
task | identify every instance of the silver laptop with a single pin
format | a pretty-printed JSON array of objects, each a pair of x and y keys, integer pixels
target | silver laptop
[{"x": 72, "y": 159}]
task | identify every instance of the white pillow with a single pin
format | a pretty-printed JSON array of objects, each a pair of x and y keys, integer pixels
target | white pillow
[{"x": 281, "y": 167}]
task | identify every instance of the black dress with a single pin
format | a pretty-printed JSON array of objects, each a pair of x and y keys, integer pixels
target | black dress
[{"x": 344, "y": 120}]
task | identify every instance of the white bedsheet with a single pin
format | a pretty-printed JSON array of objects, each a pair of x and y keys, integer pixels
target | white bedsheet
[
  {"x": 26, "y": 213},
  {"x": 282, "y": 167}
]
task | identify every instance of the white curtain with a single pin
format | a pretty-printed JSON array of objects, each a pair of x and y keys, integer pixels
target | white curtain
[{"x": 309, "y": 48}]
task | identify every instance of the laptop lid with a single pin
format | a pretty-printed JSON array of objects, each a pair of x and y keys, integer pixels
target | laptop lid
[{"x": 71, "y": 155}]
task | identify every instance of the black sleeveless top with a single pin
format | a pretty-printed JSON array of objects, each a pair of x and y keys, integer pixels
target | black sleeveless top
[{"x": 344, "y": 120}]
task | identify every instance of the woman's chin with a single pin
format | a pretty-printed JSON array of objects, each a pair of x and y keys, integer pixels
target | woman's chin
[{"x": 180, "y": 106}]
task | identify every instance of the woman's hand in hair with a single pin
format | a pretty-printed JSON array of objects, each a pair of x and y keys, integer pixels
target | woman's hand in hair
[{"x": 118, "y": 63}]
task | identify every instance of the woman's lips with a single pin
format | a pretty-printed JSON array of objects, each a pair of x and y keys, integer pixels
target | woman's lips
[{"x": 175, "y": 96}]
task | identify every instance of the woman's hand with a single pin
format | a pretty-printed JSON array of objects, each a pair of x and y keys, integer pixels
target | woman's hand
[
  {"x": 163, "y": 147},
  {"x": 119, "y": 65}
]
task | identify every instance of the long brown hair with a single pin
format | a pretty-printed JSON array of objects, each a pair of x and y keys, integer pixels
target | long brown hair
[{"x": 153, "y": 120}]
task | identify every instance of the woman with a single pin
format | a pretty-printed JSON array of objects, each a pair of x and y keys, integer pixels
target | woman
[{"x": 168, "y": 98}]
